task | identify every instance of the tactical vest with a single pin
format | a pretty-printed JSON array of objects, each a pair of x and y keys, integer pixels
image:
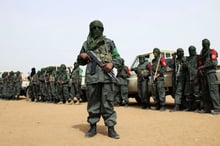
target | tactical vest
[{"x": 104, "y": 53}]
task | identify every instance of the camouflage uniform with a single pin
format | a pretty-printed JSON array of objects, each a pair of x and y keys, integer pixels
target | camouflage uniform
[
  {"x": 210, "y": 88},
  {"x": 180, "y": 72},
  {"x": 62, "y": 83},
  {"x": 122, "y": 95},
  {"x": 143, "y": 74},
  {"x": 11, "y": 87},
  {"x": 52, "y": 88},
  {"x": 18, "y": 83},
  {"x": 100, "y": 88},
  {"x": 76, "y": 77},
  {"x": 158, "y": 87},
  {"x": 192, "y": 88},
  {"x": 1, "y": 85},
  {"x": 34, "y": 86}
]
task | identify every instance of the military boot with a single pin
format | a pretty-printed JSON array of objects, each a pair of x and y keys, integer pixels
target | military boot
[
  {"x": 176, "y": 108},
  {"x": 112, "y": 133},
  {"x": 188, "y": 106},
  {"x": 162, "y": 108},
  {"x": 92, "y": 131}
]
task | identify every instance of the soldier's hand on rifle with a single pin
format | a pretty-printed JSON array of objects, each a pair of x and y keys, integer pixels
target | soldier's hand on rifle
[
  {"x": 108, "y": 67},
  {"x": 156, "y": 75},
  {"x": 85, "y": 56}
]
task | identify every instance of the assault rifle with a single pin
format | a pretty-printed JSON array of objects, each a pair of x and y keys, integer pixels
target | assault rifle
[{"x": 101, "y": 63}]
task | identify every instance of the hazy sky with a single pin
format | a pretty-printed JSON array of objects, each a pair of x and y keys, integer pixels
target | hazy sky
[{"x": 38, "y": 33}]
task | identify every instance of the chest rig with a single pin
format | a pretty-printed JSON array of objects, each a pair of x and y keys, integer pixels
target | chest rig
[{"x": 104, "y": 52}]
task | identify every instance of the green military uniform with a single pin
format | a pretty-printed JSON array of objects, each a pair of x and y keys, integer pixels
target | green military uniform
[
  {"x": 158, "y": 87},
  {"x": 180, "y": 75},
  {"x": 18, "y": 82},
  {"x": 142, "y": 82},
  {"x": 210, "y": 89},
  {"x": 99, "y": 86},
  {"x": 43, "y": 85},
  {"x": 76, "y": 77},
  {"x": 34, "y": 87},
  {"x": 11, "y": 88},
  {"x": 1, "y": 85},
  {"x": 63, "y": 84},
  {"x": 122, "y": 75},
  {"x": 52, "y": 88},
  {"x": 192, "y": 88}
]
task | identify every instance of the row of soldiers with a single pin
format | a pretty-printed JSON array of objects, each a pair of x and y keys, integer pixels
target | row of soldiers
[
  {"x": 194, "y": 80},
  {"x": 56, "y": 84},
  {"x": 10, "y": 85}
]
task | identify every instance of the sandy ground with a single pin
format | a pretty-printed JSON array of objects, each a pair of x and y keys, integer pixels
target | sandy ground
[{"x": 24, "y": 123}]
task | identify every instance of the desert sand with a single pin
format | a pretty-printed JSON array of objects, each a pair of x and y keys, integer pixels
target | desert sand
[{"x": 24, "y": 123}]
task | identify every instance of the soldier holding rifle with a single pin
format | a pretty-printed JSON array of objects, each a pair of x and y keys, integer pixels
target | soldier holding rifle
[
  {"x": 99, "y": 78},
  {"x": 158, "y": 88}
]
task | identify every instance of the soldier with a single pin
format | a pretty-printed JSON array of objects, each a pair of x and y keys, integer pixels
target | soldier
[
  {"x": 43, "y": 84},
  {"x": 76, "y": 77},
  {"x": 52, "y": 88},
  {"x": 34, "y": 86},
  {"x": 192, "y": 88},
  {"x": 100, "y": 87},
  {"x": 158, "y": 88},
  {"x": 180, "y": 72},
  {"x": 207, "y": 69},
  {"x": 18, "y": 82},
  {"x": 143, "y": 74},
  {"x": 5, "y": 76},
  {"x": 1, "y": 84},
  {"x": 122, "y": 75},
  {"x": 62, "y": 83}
]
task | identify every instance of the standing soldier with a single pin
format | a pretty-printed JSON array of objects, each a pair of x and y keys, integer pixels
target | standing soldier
[
  {"x": 100, "y": 87},
  {"x": 192, "y": 88},
  {"x": 11, "y": 86},
  {"x": 18, "y": 82},
  {"x": 143, "y": 74},
  {"x": 76, "y": 77},
  {"x": 34, "y": 86},
  {"x": 123, "y": 74},
  {"x": 207, "y": 68},
  {"x": 43, "y": 92},
  {"x": 5, "y": 76},
  {"x": 180, "y": 76},
  {"x": 1, "y": 84},
  {"x": 158, "y": 88},
  {"x": 63, "y": 81},
  {"x": 52, "y": 88}
]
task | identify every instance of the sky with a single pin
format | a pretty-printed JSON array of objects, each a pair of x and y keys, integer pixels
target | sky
[{"x": 39, "y": 33}]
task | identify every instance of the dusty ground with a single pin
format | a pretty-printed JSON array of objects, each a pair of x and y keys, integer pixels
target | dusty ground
[{"x": 24, "y": 123}]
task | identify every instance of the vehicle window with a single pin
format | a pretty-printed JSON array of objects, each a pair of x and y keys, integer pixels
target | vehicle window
[
  {"x": 136, "y": 62},
  {"x": 168, "y": 55}
]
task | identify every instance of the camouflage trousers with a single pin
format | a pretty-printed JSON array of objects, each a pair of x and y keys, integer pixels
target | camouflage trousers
[{"x": 100, "y": 98}]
